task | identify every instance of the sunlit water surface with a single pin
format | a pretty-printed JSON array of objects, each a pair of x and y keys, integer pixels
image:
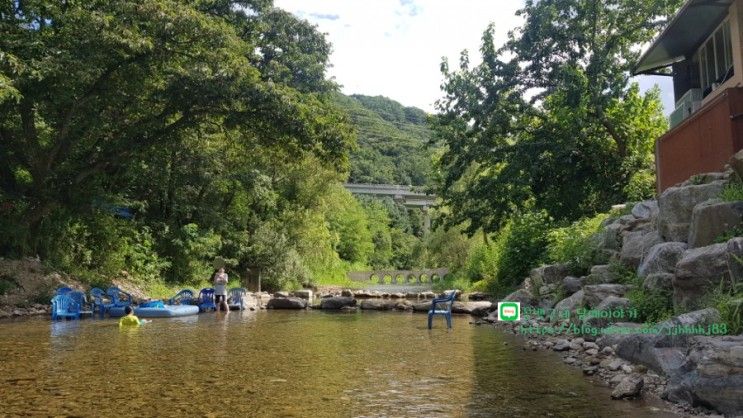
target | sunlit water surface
[{"x": 290, "y": 364}]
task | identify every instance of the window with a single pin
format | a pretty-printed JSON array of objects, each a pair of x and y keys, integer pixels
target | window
[{"x": 716, "y": 59}]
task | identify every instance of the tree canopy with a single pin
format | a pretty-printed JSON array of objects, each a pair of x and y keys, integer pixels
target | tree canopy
[{"x": 551, "y": 120}]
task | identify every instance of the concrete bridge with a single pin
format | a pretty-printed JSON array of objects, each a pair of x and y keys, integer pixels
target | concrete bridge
[
  {"x": 407, "y": 195},
  {"x": 399, "y": 277}
]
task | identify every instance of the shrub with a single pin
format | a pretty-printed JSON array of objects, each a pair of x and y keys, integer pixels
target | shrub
[
  {"x": 576, "y": 244},
  {"x": 732, "y": 192},
  {"x": 728, "y": 300},
  {"x": 652, "y": 305}
]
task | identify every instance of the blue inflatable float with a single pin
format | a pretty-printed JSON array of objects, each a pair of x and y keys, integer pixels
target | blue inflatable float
[{"x": 156, "y": 309}]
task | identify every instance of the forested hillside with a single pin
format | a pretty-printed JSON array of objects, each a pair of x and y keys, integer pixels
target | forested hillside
[{"x": 391, "y": 141}]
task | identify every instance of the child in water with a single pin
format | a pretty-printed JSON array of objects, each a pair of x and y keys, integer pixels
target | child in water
[{"x": 129, "y": 318}]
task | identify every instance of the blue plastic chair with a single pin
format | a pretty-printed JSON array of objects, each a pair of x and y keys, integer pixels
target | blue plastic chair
[
  {"x": 206, "y": 300},
  {"x": 62, "y": 290},
  {"x": 115, "y": 294},
  {"x": 80, "y": 299},
  {"x": 235, "y": 298},
  {"x": 99, "y": 303},
  {"x": 65, "y": 306},
  {"x": 444, "y": 308},
  {"x": 184, "y": 297}
]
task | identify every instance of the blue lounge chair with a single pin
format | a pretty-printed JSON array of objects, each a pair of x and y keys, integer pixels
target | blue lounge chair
[
  {"x": 442, "y": 306},
  {"x": 235, "y": 298},
  {"x": 115, "y": 294},
  {"x": 65, "y": 306},
  {"x": 184, "y": 297},
  {"x": 206, "y": 299},
  {"x": 99, "y": 301}
]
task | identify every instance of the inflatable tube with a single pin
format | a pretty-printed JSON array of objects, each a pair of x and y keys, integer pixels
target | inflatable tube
[{"x": 167, "y": 311}]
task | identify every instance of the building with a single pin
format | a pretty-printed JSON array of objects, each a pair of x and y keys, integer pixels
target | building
[{"x": 703, "y": 47}]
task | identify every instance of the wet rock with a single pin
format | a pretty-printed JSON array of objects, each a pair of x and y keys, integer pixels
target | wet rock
[
  {"x": 337, "y": 302},
  {"x": 286, "y": 303},
  {"x": 629, "y": 387},
  {"x": 472, "y": 308},
  {"x": 365, "y": 294},
  {"x": 281, "y": 294},
  {"x": 377, "y": 305},
  {"x": 428, "y": 295},
  {"x": 561, "y": 345},
  {"x": 404, "y": 305},
  {"x": 594, "y": 294},
  {"x": 698, "y": 271},
  {"x": 711, "y": 375},
  {"x": 422, "y": 306},
  {"x": 397, "y": 295},
  {"x": 304, "y": 294},
  {"x": 347, "y": 293},
  {"x": 349, "y": 309},
  {"x": 662, "y": 258},
  {"x": 571, "y": 284},
  {"x": 590, "y": 370},
  {"x": 676, "y": 206}
]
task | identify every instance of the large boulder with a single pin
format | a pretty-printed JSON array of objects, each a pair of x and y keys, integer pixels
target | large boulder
[
  {"x": 569, "y": 304},
  {"x": 550, "y": 273},
  {"x": 286, "y": 303},
  {"x": 735, "y": 259},
  {"x": 662, "y": 258},
  {"x": 661, "y": 350},
  {"x": 676, "y": 204},
  {"x": 659, "y": 281},
  {"x": 303, "y": 293},
  {"x": 521, "y": 295},
  {"x": 572, "y": 284},
  {"x": 611, "y": 303},
  {"x": 711, "y": 375},
  {"x": 378, "y": 304},
  {"x": 601, "y": 274},
  {"x": 736, "y": 163},
  {"x": 711, "y": 219},
  {"x": 608, "y": 238},
  {"x": 337, "y": 302},
  {"x": 698, "y": 271},
  {"x": 635, "y": 245},
  {"x": 593, "y": 295},
  {"x": 647, "y": 209}
]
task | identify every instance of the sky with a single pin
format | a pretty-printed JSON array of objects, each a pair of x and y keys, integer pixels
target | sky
[{"x": 394, "y": 48}]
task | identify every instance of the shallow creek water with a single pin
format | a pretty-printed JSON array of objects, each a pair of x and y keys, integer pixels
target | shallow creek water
[{"x": 290, "y": 364}]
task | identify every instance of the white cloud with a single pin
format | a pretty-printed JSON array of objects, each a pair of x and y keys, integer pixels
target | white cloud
[{"x": 394, "y": 47}]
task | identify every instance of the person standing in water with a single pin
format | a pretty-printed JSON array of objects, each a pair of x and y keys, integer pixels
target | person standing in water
[
  {"x": 220, "y": 290},
  {"x": 129, "y": 319}
]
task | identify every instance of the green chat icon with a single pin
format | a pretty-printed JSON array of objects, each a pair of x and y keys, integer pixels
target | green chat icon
[{"x": 509, "y": 311}]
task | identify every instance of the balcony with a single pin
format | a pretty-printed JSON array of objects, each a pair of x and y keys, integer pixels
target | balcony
[{"x": 703, "y": 142}]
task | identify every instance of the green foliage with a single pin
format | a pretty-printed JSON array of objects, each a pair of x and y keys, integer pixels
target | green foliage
[
  {"x": 7, "y": 283},
  {"x": 551, "y": 115},
  {"x": 653, "y": 305},
  {"x": 727, "y": 298},
  {"x": 195, "y": 250},
  {"x": 576, "y": 244},
  {"x": 641, "y": 186},
  {"x": 391, "y": 140},
  {"x": 732, "y": 192},
  {"x": 521, "y": 245}
]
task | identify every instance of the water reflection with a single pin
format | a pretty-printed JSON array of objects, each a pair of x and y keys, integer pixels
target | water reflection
[{"x": 287, "y": 364}]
